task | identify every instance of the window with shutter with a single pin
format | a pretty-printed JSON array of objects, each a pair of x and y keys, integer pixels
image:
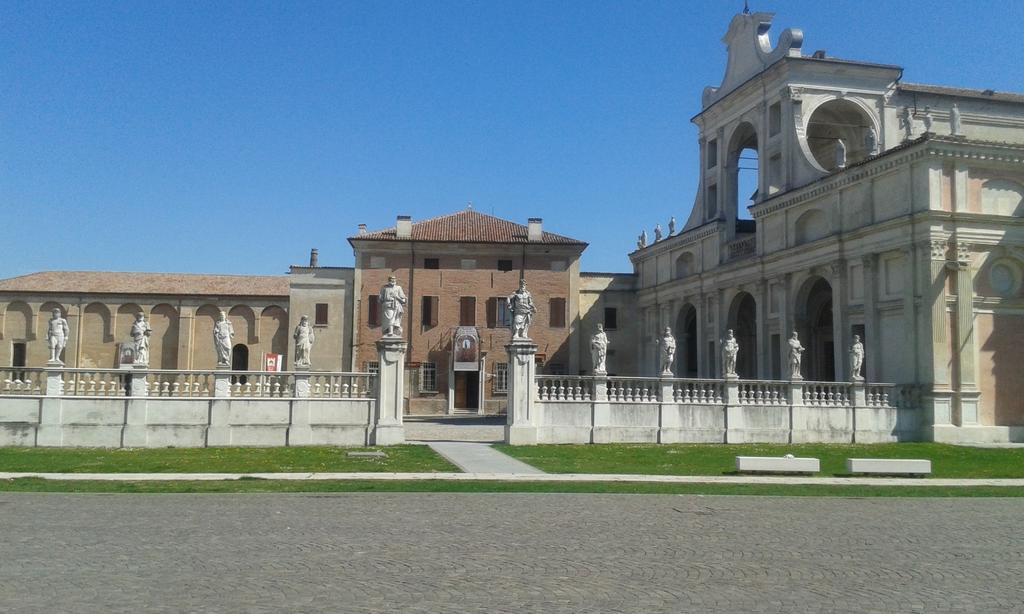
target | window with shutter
[
  {"x": 373, "y": 310},
  {"x": 492, "y": 312},
  {"x": 321, "y": 314},
  {"x": 426, "y": 311},
  {"x": 467, "y": 311},
  {"x": 556, "y": 308}
]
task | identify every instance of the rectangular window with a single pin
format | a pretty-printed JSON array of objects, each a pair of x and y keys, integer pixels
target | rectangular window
[
  {"x": 712, "y": 148},
  {"x": 712, "y": 202},
  {"x": 320, "y": 319},
  {"x": 428, "y": 377},
  {"x": 371, "y": 366},
  {"x": 501, "y": 377},
  {"x": 428, "y": 311},
  {"x": 498, "y": 315},
  {"x": 467, "y": 311},
  {"x": 18, "y": 355},
  {"x": 556, "y": 308},
  {"x": 468, "y": 263},
  {"x": 377, "y": 262},
  {"x": 373, "y": 310},
  {"x": 611, "y": 318},
  {"x": 504, "y": 265},
  {"x": 558, "y": 266},
  {"x": 504, "y": 313},
  {"x": 431, "y": 263},
  {"x": 774, "y": 119}
]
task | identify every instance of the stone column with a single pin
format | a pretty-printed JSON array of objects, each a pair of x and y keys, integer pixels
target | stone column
[
  {"x": 54, "y": 379},
  {"x": 968, "y": 384},
  {"x": 702, "y": 321},
  {"x": 601, "y": 417},
  {"x": 713, "y": 361},
  {"x": 734, "y": 424},
  {"x": 522, "y": 419},
  {"x": 763, "y": 364},
  {"x": 785, "y": 326},
  {"x": 840, "y": 321},
  {"x": 388, "y": 428},
  {"x": 872, "y": 337},
  {"x": 942, "y": 413}
]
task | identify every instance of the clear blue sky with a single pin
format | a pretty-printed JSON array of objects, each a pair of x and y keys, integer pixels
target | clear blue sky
[{"x": 231, "y": 137}]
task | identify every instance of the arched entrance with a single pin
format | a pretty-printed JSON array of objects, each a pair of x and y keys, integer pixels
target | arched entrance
[
  {"x": 686, "y": 341},
  {"x": 742, "y": 172},
  {"x": 240, "y": 360},
  {"x": 816, "y": 331},
  {"x": 743, "y": 322}
]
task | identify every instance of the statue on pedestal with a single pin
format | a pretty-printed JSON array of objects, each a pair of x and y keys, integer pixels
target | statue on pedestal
[
  {"x": 796, "y": 351},
  {"x": 304, "y": 339},
  {"x": 871, "y": 141},
  {"x": 928, "y": 119},
  {"x": 140, "y": 338},
  {"x": 223, "y": 332},
  {"x": 730, "y": 350},
  {"x": 642, "y": 239},
  {"x": 520, "y": 305},
  {"x": 392, "y": 306},
  {"x": 668, "y": 351},
  {"x": 599, "y": 349},
  {"x": 856, "y": 359},
  {"x": 955, "y": 121},
  {"x": 840, "y": 154},
  {"x": 672, "y": 226},
  {"x": 908, "y": 123},
  {"x": 57, "y": 335},
  {"x": 657, "y": 233}
]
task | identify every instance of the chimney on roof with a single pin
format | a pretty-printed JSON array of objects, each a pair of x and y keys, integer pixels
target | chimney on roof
[
  {"x": 362, "y": 229},
  {"x": 314, "y": 258},
  {"x": 403, "y": 229},
  {"x": 535, "y": 229}
]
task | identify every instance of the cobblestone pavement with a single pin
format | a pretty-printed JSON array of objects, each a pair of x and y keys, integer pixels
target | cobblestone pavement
[{"x": 422, "y": 552}]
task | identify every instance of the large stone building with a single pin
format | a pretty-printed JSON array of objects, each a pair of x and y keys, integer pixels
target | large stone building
[{"x": 879, "y": 208}]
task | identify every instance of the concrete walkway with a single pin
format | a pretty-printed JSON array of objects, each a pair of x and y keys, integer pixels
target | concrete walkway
[
  {"x": 455, "y": 428},
  {"x": 481, "y": 458},
  {"x": 521, "y": 477}
]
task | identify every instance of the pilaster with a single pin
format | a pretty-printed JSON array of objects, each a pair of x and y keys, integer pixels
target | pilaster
[
  {"x": 966, "y": 355},
  {"x": 840, "y": 320},
  {"x": 761, "y": 303},
  {"x": 872, "y": 336}
]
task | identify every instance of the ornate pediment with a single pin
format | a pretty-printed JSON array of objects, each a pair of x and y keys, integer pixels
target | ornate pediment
[{"x": 750, "y": 51}]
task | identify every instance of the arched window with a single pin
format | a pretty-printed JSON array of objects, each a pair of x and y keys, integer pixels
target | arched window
[
  {"x": 685, "y": 265},
  {"x": 834, "y": 120},
  {"x": 811, "y": 226},
  {"x": 742, "y": 171},
  {"x": 1002, "y": 197}
]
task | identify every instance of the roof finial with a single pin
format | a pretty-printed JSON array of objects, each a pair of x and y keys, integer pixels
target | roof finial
[
  {"x": 469, "y": 205},
  {"x": 746, "y": 7}
]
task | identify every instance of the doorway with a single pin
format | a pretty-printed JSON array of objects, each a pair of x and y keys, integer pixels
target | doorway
[
  {"x": 467, "y": 390},
  {"x": 240, "y": 362}
]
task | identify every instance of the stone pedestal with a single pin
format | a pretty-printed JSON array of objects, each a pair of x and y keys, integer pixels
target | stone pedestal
[
  {"x": 222, "y": 382},
  {"x": 54, "y": 378},
  {"x": 860, "y": 397},
  {"x": 388, "y": 428},
  {"x": 301, "y": 389},
  {"x": 522, "y": 421},
  {"x": 139, "y": 386}
]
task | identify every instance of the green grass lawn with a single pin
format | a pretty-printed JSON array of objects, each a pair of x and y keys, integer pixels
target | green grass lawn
[
  {"x": 400, "y": 459},
  {"x": 280, "y": 486},
  {"x": 718, "y": 459}
]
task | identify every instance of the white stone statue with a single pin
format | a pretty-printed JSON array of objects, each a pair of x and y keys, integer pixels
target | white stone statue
[
  {"x": 856, "y": 359},
  {"x": 928, "y": 119},
  {"x": 643, "y": 239},
  {"x": 730, "y": 350},
  {"x": 672, "y": 226},
  {"x": 668, "y": 351},
  {"x": 871, "y": 141},
  {"x": 657, "y": 233},
  {"x": 140, "y": 338},
  {"x": 840, "y": 153},
  {"x": 392, "y": 307},
  {"x": 599, "y": 349},
  {"x": 304, "y": 339},
  {"x": 223, "y": 332},
  {"x": 57, "y": 335},
  {"x": 520, "y": 305},
  {"x": 955, "y": 121},
  {"x": 908, "y": 123},
  {"x": 795, "y": 356}
]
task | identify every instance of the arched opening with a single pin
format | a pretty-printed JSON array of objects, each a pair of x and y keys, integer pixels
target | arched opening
[
  {"x": 95, "y": 349},
  {"x": 204, "y": 355},
  {"x": 816, "y": 331},
  {"x": 743, "y": 322},
  {"x": 164, "y": 340},
  {"x": 1002, "y": 197},
  {"x": 835, "y": 120},
  {"x": 742, "y": 171},
  {"x": 686, "y": 341},
  {"x": 18, "y": 321},
  {"x": 239, "y": 361}
]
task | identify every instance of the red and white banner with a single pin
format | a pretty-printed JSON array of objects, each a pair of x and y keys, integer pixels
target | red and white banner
[{"x": 272, "y": 362}]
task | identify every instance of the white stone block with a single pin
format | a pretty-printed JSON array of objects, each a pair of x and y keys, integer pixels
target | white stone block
[
  {"x": 773, "y": 464},
  {"x": 901, "y": 466}
]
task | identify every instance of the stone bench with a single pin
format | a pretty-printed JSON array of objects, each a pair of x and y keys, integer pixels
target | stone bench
[
  {"x": 777, "y": 464},
  {"x": 889, "y": 466}
]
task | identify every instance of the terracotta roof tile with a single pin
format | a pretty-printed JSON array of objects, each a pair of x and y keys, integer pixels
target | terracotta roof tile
[
  {"x": 943, "y": 90},
  {"x": 467, "y": 226},
  {"x": 104, "y": 282}
]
